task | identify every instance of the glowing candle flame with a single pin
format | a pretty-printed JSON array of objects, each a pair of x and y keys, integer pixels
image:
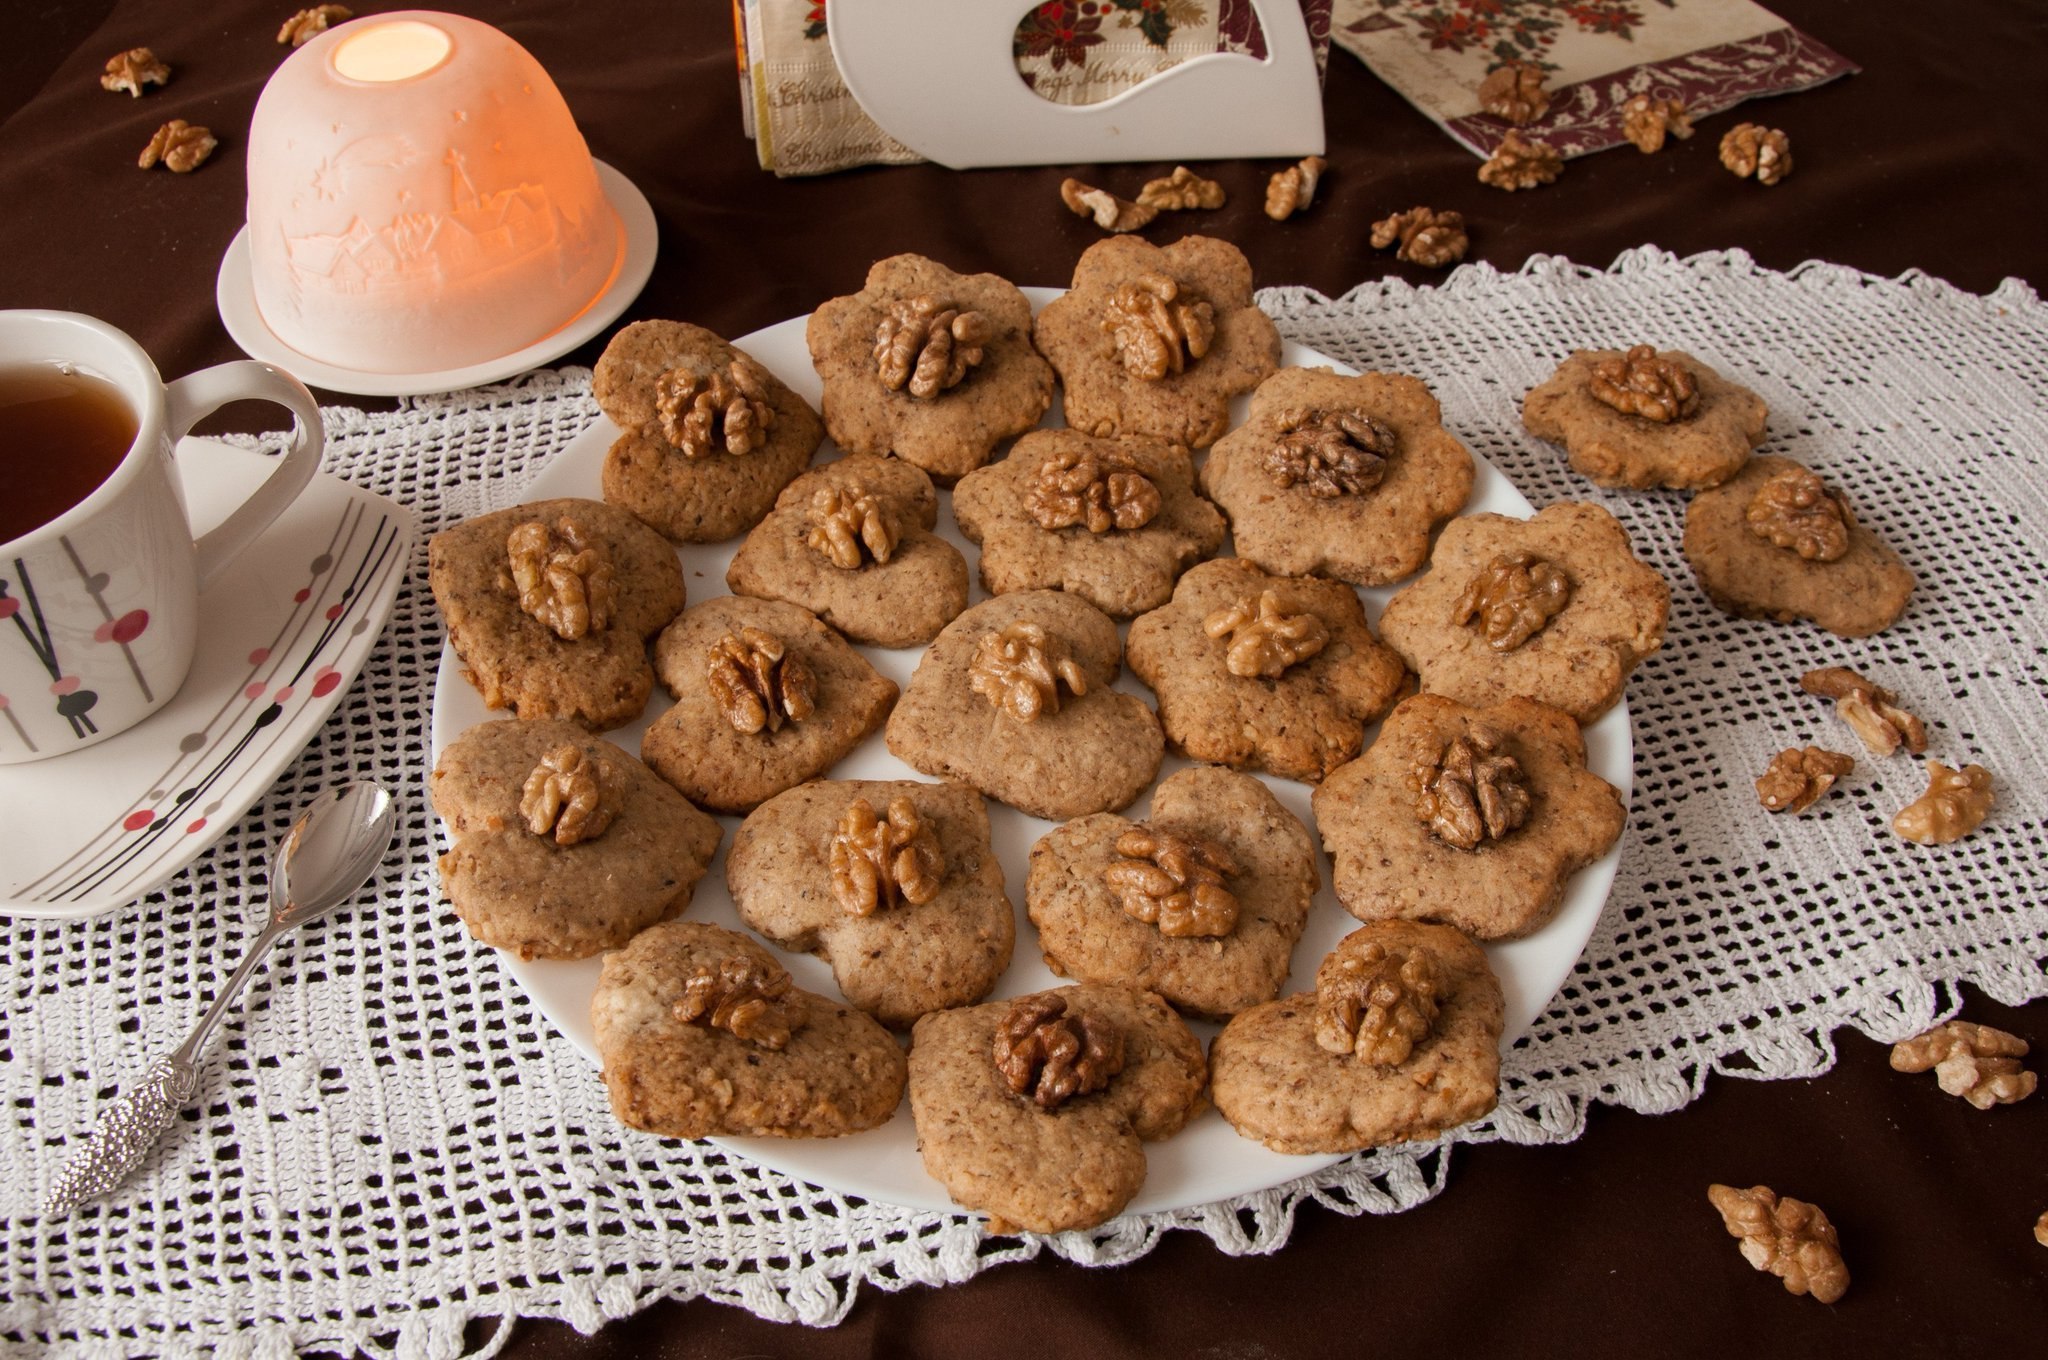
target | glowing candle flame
[{"x": 399, "y": 50}]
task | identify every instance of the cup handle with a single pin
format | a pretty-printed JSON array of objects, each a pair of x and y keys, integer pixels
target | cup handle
[{"x": 197, "y": 394}]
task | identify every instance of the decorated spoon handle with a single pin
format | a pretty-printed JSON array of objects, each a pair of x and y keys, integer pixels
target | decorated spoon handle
[{"x": 126, "y": 1132}]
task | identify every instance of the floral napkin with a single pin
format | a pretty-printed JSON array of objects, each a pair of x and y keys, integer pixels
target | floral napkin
[{"x": 1709, "y": 54}]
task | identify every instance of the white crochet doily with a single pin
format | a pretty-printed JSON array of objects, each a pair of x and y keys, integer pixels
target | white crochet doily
[{"x": 391, "y": 1142}]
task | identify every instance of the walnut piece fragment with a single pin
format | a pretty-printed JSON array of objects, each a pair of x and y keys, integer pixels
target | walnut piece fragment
[
  {"x": 1787, "y": 1237},
  {"x": 1871, "y": 710},
  {"x": 564, "y": 576},
  {"x": 1513, "y": 92},
  {"x": 1377, "y": 1003},
  {"x": 925, "y": 345},
  {"x": 1511, "y": 598},
  {"x": 1472, "y": 791},
  {"x": 1518, "y": 163},
  {"x": 1182, "y": 191},
  {"x": 1955, "y": 804},
  {"x": 1021, "y": 670},
  {"x": 758, "y": 683},
  {"x": 2041, "y": 1229},
  {"x": 569, "y": 797},
  {"x": 1647, "y": 120},
  {"x": 182, "y": 147},
  {"x": 1105, "y": 209},
  {"x": 880, "y": 860},
  {"x": 1751, "y": 149},
  {"x": 1423, "y": 236},
  {"x": 1050, "y": 1056},
  {"x": 309, "y": 24},
  {"x": 1797, "y": 777},
  {"x": 1976, "y": 1062},
  {"x": 1262, "y": 639},
  {"x": 128, "y": 72},
  {"x": 1177, "y": 883},
  {"x": 1292, "y": 190}
]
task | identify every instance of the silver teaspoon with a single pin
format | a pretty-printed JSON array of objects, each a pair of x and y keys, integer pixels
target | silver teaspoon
[{"x": 329, "y": 853}]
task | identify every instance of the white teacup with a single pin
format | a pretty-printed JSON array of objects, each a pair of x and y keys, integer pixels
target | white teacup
[{"x": 99, "y": 606}]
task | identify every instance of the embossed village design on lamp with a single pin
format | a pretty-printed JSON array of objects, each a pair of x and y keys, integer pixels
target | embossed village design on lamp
[{"x": 420, "y": 198}]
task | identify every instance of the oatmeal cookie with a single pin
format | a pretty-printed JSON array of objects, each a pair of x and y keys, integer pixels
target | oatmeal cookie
[
  {"x": 1002, "y": 1151},
  {"x": 852, "y": 542},
  {"x": 1262, "y": 672},
  {"x": 1202, "y": 904},
  {"x": 766, "y": 697},
  {"x": 1339, "y": 476},
  {"x": 1114, "y": 521},
  {"x": 932, "y": 366},
  {"x": 1679, "y": 424},
  {"x": 1477, "y": 817},
  {"x": 1833, "y": 571},
  {"x": 708, "y": 435},
  {"x": 547, "y": 661},
  {"x": 892, "y": 883},
  {"x": 1556, "y": 608},
  {"x": 1153, "y": 341},
  {"x": 1014, "y": 699},
  {"x": 702, "y": 1035},
  {"x": 1399, "y": 1042}
]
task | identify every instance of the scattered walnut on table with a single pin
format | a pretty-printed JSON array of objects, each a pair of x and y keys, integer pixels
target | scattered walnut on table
[
  {"x": 1472, "y": 792},
  {"x": 1870, "y": 710},
  {"x": 1797, "y": 777},
  {"x": 1104, "y": 208},
  {"x": 1647, "y": 121},
  {"x": 131, "y": 70},
  {"x": 1643, "y": 383},
  {"x": 1787, "y": 1237},
  {"x": 1514, "y": 93},
  {"x": 1955, "y": 804},
  {"x": 309, "y": 24},
  {"x": 1292, "y": 190},
  {"x": 563, "y": 575},
  {"x": 727, "y": 411},
  {"x": 1794, "y": 509},
  {"x": 1181, "y": 191},
  {"x": 1423, "y": 236},
  {"x": 1518, "y": 163},
  {"x": 1976, "y": 1062},
  {"x": 182, "y": 147},
  {"x": 1331, "y": 453},
  {"x": 1264, "y": 639},
  {"x": 1176, "y": 883},
  {"x": 2041, "y": 1230},
  {"x": 926, "y": 345},
  {"x": 879, "y": 860},
  {"x": 569, "y": 796},
  {"x": 1377, "y": 1004},
  {"x": 1156, "y": 329},
  {"x": 746, "y": 997},
  {"x": 1020, "y": 670},
  {"x": 1749, "y": 149},
  {"x": 758, "y": 683},
  {"x": 1511, "y": 598},
  {"x": 1084, "y": 487},
  {"x": 848, "y": 526},
  {"x": 1050, "y": 1055}
]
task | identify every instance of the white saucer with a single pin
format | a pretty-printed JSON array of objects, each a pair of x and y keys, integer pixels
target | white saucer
[
  {"x": 282, "y": 635},
  {"x": 235, "y": 294}
]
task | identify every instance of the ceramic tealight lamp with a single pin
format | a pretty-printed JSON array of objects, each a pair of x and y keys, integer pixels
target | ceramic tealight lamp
[{"x": 420, "y": 198}]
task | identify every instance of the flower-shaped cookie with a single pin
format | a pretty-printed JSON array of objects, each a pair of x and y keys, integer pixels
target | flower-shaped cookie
[
  {"x": 1014, "y": 699},
  {"x": 1556, "y": 608},
  {"x": 1035, "y": 1111},
  {"x": 1399, "y": 1041},
  {"x": 1645, "y": 418},
  {"x": 1339, "y": 476},
  {"x": 1475, "y": 817},
  {"x": 550, "y": 606},
  {"x": 766, "y": 697},
  {"x": 892, "y": 883},
  {"x": 852, "y": 542},
  {"x": 1776, "y": 542},
  {"x": 1111, "y": 520},
  {"x": 932, "y": 366},
  {"x": 1278, "y": 673},
  {"x": 1202, "y": 905},
  {"x": 1153, "y": 341},
  {"x": 702, "y": 1035},
  {"x": 708, "y": 435}
]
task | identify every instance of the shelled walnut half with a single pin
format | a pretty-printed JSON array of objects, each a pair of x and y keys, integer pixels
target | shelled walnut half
[
  {"x": 1181, "y": 191},
  {"x": 1511, "y": 598},
  {"x": 1087, "y": 488},
  {"x": 758, "y": 683},
  {"x": 1787, "y": 1237},
  {"x": 745, "y": 997},
  {"x": 1643, "y": 383},
  {"x": 1050, "y": 1055},
  {"x": 1177, "y": 883},
  {"x": 1377, "y": 1004},
  {"x": 309, "y": 24},
  {"x": 1020, "y": 670},
  {"x": 1955, "y": 804},
  {"x": 1423, "y": 236},
  {"x": 1156, "y": 327},
  {"x": 1292, "y": 190},
  {"x": 926, "y": 345},
  {"x": 1329, "y": 453},
  {"x": 569, "y": 797},
  {"x": 563, "y": 575},
  {"x": 1797, "y": 777},
  {"x": 1518, "y": 163},
  {"x": 1264, "y": 639},
  {"x": 849, "y": 527},
  {"x": 1871, "y": 710},
  {"x": 1472, "y": 791},
  {"x": 1976, "y": 1062},
  {"x": 1647, "y": 120},
  {"x": 128, "y": 72},
  {"x": 1513, "y": 92},
  {"x": 726, "y": 411},
  {"x": 181, "y": 147},
  {"x": 878, "y": 861},
  {"x": 1750, "y": 149},
  {"x": 1104, "y": 208},
  {"x": 1795, "y": 510}
]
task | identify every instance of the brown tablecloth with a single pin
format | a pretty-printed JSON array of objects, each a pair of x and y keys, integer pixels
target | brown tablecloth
[{"x": 1933, "y": 159}]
